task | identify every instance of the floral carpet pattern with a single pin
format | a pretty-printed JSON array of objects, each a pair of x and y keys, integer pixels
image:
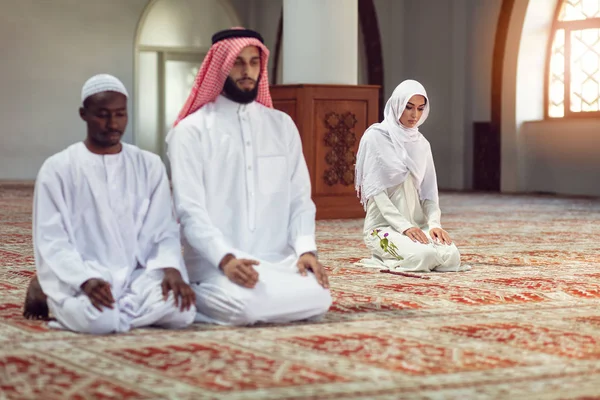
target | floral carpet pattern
[{"x": 524, "y": 323}]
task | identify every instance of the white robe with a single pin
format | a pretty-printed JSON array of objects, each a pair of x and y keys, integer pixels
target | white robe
[
  {"x": 241, "y": 186},
  {"x": 395, "y": 210},
  {"x": 107, "y": 217}
]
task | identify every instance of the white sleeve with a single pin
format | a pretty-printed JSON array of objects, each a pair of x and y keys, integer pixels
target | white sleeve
[
  {"x": 54, "y": 249},
  {"x": 187, "y": 174},
  {"x": 159, "y": 238},
  {"x": 429, "y": 191},
  {"x": 429, "y": 188},
  {"x": 391, "y": 213},
  {"x": 303, "y": 210},
  {"x": 432, "y": 212}
]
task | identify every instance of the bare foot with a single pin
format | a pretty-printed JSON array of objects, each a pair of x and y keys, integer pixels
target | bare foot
[{"x": 36, "y": 305}]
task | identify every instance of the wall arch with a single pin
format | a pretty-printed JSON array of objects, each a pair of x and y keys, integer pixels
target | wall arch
[
  {"x": 518, "y": 85},
  {"x": 171, "y": 40}
]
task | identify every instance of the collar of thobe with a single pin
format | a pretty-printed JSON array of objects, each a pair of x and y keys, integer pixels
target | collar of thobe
[
  {"x": 223, "y": 103},
  {"x": 100, "y": 159}
]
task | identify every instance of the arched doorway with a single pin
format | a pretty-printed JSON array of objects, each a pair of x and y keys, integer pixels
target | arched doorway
[{"x": 173, "y": 36}]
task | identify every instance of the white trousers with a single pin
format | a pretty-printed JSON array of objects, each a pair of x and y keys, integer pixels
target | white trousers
[
  {"x": 281, "y": 295},
  {"x": 418, "y": 257},
  {"x": 141, "y": 304}
]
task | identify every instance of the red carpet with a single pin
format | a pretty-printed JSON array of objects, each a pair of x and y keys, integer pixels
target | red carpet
[{"x": 523, "y": 324}]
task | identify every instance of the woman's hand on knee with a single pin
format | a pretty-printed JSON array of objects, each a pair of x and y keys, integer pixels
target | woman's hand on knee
[
  {"x": 440, "y": 235},
  {"x": 416, "y": 235}
]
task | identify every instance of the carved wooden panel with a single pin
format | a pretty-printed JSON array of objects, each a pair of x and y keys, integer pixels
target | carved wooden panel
[
  {"x": 340, "y": 138},
  {"x": 339, "y": 125},
  {"x": 331, "y": 120}
]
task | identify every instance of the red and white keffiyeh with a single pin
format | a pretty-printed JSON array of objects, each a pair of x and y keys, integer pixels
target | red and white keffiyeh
[{"x": 216, "y": 68}]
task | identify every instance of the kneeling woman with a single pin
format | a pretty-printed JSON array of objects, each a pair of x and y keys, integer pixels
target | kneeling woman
[{"x": 397, "y": 185}]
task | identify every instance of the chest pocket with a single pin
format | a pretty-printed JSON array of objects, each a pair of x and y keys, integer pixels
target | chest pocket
[{"x": 273, "y": 174}]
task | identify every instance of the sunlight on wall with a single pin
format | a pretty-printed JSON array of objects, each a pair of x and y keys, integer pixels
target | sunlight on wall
[
  {"x": 523, "y": 83},
  {"x": 147, "y": 104},
  {"x": 184, "y": 23},
  {"x": 555, "y": 156},
  {"x": 583, "y": 62}
]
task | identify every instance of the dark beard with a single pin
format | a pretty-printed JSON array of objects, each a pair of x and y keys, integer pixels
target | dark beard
[{"x": 234, "y": 93}]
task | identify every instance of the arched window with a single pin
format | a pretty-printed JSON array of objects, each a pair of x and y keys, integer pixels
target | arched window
[{"x": 573, "y": 80}]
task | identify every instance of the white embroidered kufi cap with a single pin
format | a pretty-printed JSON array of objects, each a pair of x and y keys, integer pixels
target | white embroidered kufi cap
[{"x": 102, "y": 83}]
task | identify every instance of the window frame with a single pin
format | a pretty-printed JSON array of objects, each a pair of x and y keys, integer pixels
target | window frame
[{"x": 568, "y": 27}]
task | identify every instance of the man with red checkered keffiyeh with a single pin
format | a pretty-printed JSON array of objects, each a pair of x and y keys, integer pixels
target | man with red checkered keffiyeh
[{"x": 242, "y": 194}]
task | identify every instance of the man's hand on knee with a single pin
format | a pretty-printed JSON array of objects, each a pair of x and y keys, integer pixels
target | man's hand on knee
[
  {"x": 98, "y": 290},
  {"x": 181, "y": 290},
  {"x": 308, "y": 261},
  {"x": 240, "y": 271}
]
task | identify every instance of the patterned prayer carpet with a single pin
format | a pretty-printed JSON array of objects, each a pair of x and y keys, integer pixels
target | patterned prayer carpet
[{"x": 523, "y": 324}]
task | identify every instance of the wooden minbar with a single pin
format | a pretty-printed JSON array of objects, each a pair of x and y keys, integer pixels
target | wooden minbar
[{"x": 331, "y": 120}]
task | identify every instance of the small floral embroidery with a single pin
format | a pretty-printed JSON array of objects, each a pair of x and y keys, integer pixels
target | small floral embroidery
[{"x": 387, "y": 245}]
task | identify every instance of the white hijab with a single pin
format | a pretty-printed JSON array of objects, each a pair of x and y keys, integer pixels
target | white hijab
[{"x": 389, "y": 152}]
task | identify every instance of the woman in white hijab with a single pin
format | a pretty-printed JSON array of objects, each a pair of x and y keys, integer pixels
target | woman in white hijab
[{"x": 397, "y": 185}]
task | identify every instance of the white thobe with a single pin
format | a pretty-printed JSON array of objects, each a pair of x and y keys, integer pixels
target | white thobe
[
  {"x": 241, "y": 186},
  {"x": 395, "y": 210},
  {"x": 108, "y": 217}
]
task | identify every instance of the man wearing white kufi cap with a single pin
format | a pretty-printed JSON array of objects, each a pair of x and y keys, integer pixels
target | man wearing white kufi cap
[{"x": 107, "y": 246}]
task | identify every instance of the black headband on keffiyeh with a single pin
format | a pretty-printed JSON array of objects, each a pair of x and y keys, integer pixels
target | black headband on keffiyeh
[
  {"x": 216, "y": 67},
  {"x": 236, "y": 33}
]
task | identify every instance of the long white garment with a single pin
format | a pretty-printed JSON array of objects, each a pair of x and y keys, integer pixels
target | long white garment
[
  {"x": 281, "y": 295},
  {"x": 142, "y": 304},
  {"x": 389, "y": 152},
  {"x": 241, "y": 186},
  {"x": 392, "y": 212},
  {"x": 102, "y": 216}
]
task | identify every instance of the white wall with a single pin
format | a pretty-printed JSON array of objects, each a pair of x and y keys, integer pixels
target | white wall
[
  {"x": 428, "y": 58},
  {"x": 556, "y": 156},
  {"x": 263, "y": 16},
  {"x": 561, "y": 156},
  {"x": 173, "y": 38},
  {"x": 391, "y": 17},
  {"x": 482, "y": 36},
  {"x": 49, "y": 49},
  {"x": 447, "y": 45},
  {"x": 185, "y": 23}
]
